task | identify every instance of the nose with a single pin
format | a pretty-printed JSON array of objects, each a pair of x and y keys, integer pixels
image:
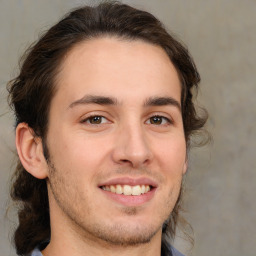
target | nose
[{"x": 132, "y": 147}]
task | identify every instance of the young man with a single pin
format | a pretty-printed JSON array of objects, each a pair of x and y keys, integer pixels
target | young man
[{"x": 104, "y": 112}]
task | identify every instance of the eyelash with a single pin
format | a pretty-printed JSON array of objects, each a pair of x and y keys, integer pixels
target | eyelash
[
  {"x": 168, "y": 121},
  {"x": 89, "y": 119}
]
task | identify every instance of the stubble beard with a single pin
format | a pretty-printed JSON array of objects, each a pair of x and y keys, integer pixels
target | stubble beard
[{"x": 118, "y": 234}]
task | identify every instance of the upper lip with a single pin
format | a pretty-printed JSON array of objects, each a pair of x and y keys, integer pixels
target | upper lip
[{"x": 129, "y": 181}]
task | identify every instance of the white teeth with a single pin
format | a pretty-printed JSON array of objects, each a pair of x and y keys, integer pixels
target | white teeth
[
  {"x": 127, "y": 189},
  {"x": 113, "y": 189},
  {"x": 119, "y": 189},
  {"x": 136, "y": 190}
]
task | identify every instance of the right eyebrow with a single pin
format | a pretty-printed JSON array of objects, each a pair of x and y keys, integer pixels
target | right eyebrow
[{"x": 94, "y": 99}]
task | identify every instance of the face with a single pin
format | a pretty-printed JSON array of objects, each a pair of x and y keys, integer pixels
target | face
[{"x": 116, "y": 141}]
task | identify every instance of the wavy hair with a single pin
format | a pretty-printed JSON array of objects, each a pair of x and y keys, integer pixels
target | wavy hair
[{"x": 30, "y": 95}]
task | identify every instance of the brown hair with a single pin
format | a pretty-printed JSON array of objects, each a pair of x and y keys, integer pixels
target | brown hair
[{"x": 30, "y": 95}]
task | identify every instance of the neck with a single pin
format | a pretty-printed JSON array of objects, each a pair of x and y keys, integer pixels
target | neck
[
  {"x": 76, "y": 246},
  {"x": 69, "y": 239}
]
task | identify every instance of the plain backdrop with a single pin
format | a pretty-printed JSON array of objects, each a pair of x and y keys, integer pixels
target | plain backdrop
[{"x": 221, "y": 182}]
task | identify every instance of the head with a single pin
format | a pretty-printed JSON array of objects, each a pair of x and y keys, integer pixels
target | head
[{"x": 109, "y": 29}]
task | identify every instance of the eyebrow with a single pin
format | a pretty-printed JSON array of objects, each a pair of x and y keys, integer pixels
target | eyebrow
[
  {"x": 162, "y": 101},
  {"x": 92, "y": 99},
  {"x": 103, "y": 100}
]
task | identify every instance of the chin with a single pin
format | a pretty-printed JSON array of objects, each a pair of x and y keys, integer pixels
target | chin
[{"x": 120, "y": 235}]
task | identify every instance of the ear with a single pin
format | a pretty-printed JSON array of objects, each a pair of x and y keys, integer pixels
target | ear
[
  {"x": 30, "y": 151},
  {"x": 185, "y": 166}
]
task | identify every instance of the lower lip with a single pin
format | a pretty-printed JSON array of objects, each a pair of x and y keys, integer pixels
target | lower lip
[{"x": 130, "y": 200}]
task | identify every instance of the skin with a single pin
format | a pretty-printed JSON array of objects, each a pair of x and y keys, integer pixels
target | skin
[{"x": 125, "y": 142}]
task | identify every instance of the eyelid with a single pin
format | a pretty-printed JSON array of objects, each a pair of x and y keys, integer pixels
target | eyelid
[
  {"x": 168, "y": 118},
  {"x": 90, "y": 117},
  {"x": 84, "y": 119}
]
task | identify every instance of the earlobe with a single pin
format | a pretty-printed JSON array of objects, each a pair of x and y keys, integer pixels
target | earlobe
[
  {"x": 30, "y": 151},
  {"x": 185, "y": 167}
]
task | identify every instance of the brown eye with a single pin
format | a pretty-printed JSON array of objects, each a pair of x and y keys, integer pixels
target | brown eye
[
  {"x": 95, "y": 120},
  {"x": 156, "y": 120}
]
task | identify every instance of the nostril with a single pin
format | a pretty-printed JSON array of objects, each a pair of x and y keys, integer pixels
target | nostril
[{"x": 125, "y": 161}]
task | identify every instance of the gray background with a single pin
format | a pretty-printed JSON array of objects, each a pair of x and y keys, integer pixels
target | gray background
[{"x": 221, "y": 183}]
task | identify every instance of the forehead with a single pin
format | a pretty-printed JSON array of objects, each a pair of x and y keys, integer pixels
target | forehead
[{"x": 111, "y": 65}]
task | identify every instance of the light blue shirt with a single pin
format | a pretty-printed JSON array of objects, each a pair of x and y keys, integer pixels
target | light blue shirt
[{"x": 36, "y": 252}]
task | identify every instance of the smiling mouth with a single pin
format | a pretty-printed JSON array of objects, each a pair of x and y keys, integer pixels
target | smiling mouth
[{"x": 128, "y": 190}]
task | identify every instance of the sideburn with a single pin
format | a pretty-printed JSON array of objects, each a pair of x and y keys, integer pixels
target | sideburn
[{"x": 45, "y": 150}]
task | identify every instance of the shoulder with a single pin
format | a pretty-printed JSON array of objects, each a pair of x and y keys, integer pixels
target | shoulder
[
  {"x": 35, "y": 252},
  {"x": 176, "y": 252}
]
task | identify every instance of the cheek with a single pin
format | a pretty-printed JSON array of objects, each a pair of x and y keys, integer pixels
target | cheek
[
  {"x": 79, "y": 153},
  {"x": 171, "y": 153},
  {"x": 170, "y": 157}
]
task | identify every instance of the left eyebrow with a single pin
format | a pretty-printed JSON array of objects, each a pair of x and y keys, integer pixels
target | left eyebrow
[{"x": 162, "y": 101}]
